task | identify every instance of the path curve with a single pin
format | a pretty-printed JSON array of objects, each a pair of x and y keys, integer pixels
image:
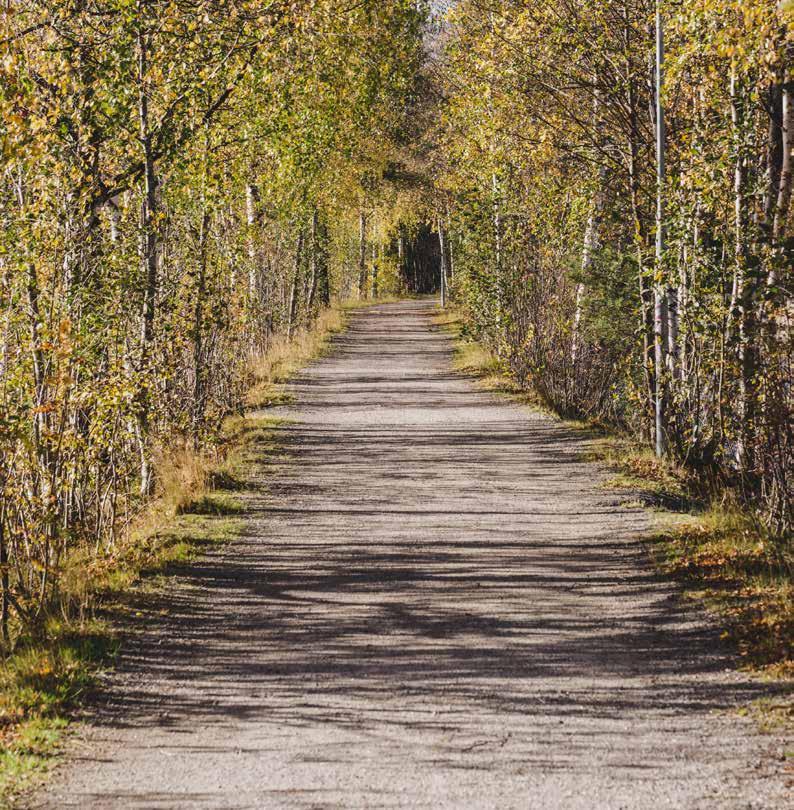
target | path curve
[{"x": 436, "y": 605}]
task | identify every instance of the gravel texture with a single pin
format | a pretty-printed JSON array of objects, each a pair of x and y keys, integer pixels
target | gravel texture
[{"x": 436, "y": 604}]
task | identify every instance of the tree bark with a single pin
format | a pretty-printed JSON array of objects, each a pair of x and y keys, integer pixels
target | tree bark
[
  {"x": 362, "y": 254},
  {"x": 293, "y": 295},
  {"x": 148, "y": 261},
  {"x": 659, "y": 295},
  {"x": 743, "y": 296},
  {"x": 443, "y": 267},
  {"x": 592, "y": 230},
  {"x": 315, "y": 258},
  {"x": 199, "y": 398},
  {"x": 251, "y": 199},
  {"x": 498, "y": 247}
]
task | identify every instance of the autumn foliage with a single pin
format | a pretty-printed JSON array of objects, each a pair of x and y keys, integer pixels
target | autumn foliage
[
  {"x": 547, "y": 175},
  {"x": 181, "y": 186}
]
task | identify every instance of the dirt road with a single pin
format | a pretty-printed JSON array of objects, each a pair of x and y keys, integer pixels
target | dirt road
[{"x": 436, "y": 604}]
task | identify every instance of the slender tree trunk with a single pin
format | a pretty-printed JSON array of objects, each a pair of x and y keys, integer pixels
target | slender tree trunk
[
  {"x": 251, "y": 199},
  {"x": 591, "y": 234},
  {"x": 443, "y": 267},
  {"x": 315, "y": 258},
  {"x": 362, "y": 254},
  {"x": 646, "y": 320},
  {"x": 5, "y": 583},
  {"x": 199, "y": 397},
  {"x": 401, "y": 271},
  {"x": 659, "y": 299},
  {"x": 148, "y": 260},
  {"x": 293, "y": 295},
  {"x": 497, "y": 226},
  {"x": 743, "y": 296},
  {"x": 324, "y": 282},
  {"x": 774, "y": 157},
  {"x": 450, "y": 257},
  {"x": 374, "y": 271},
  {"x": 783, "y": 201}
]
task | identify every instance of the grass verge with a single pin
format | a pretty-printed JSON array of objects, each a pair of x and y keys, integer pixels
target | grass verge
[
  {"x": 198, "y": 505},
  {"x": 724, "y": 558},
  {"x": 285, "y": 357}
]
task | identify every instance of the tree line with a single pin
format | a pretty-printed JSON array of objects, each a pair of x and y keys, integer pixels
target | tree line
[
  {"x": 673, "y": 324},
  {"x": 182, "y": 182},
  {"x": 185, "y": 182}
]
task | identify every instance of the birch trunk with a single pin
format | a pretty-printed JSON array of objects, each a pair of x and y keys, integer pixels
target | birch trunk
[
  {"x": 498, "y": 247},
  {"x": 198, "y": 331},
  {"x": 251, "y": 199},
  {"x": 443, "y": 267},
  {"x": 148, "y": 261},
  {"x": 313, "y": 269},
  {"x": 374, "y": 270},
  {"x": 592, "y": 229},
  {"x": 784, "y": 189},
  {"x": 293, "y": 294},
  {"x": 743, "y": 295},
  {"x": 646, "y": 322},
  {"x": 403, "y": 276},
  {"x": 659, "y": 297},
  {"x": 362, "y": 254}
]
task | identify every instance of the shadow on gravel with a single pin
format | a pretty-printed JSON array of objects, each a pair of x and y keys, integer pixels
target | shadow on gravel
[
  {"x": 423, "y": 556},
  {"x": 342, "y": 599}
]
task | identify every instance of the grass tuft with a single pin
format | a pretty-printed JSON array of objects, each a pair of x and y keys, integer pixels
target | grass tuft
[
  {"x": 743, "y": 574},
  {"x": 284, "y": 358},
  {"x": 659, "y": 482}
]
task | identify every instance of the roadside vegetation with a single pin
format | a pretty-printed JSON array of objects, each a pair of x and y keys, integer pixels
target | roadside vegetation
[
  {"x": 187, "y": 192},
  {"x": 726, "y": 558},
  {"x": 658, "y": 305},
  {"x": 187, "y": 186},
  {"x": 185, "y": 189},
  {"x": 197, "y": 504}
]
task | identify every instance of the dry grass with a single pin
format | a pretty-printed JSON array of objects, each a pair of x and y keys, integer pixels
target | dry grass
[
  {"x": 475, "y": 359},
  {"x": 286, "y": 357},
  {"x": 661, "y": 482},
  {"x": 730, "y": 562},
  {"x": 471, "y": 357}
]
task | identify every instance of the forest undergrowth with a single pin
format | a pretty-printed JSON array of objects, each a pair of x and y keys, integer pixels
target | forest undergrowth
[{"x": 725, "y": 559}]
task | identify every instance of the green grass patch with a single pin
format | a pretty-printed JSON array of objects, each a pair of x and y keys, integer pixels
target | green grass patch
[
  {"x": 40, "y": 683},
  {"x": 212, "y": 503},
  {"x": 28, "y": 755}
]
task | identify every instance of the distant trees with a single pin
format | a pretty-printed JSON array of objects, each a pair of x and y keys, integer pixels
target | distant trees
[
  {"x": 548, "y": 141},
  {"x": 179, "y": 182}
]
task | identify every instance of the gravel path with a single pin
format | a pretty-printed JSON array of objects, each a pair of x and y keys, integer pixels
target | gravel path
[{"x": 436, "y": 605}]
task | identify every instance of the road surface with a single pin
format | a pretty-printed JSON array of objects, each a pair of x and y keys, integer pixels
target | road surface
[{"x": 436, "y": 604}]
